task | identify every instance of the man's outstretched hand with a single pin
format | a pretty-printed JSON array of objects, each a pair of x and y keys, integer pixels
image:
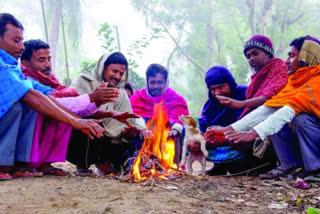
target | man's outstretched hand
[
  {"x": 103, "y": 94},
  {"x": 231, "y": 103},
  {"x": 89, "y": 127},
  {"x": 239, "y": 137},
  {"x": 123, "y": 116}
]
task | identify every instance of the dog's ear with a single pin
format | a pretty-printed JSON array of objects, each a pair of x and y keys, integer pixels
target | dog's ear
[{"x": 193, "y": 122}]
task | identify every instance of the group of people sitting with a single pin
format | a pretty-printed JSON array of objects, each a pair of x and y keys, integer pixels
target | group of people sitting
[{"x": 269, "y": 126}]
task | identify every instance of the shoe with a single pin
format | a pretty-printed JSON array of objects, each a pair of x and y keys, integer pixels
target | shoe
[
  {"x": 48, "y": 169},
  {"x": 5, "y": 176},
  {"x": 22, "y": 173},
  {"x": 276, "y": 173}
]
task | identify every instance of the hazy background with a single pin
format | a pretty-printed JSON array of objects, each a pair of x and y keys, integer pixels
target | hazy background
[{"x": 186, "y": 36}]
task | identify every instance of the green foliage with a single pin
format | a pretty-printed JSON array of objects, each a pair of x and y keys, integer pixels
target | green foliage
[
  {"x": 106, "y": 37},
  {"x": 210, "y": 32},
  {"x": 86, "y": 67}
]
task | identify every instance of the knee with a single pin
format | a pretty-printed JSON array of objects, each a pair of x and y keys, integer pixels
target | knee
[
  {"x": 16, "y": 109},
  {"x": 300, "y": 121}
]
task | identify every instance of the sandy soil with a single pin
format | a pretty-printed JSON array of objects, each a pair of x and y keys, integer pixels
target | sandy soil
[{"x": 190, "y": 194}]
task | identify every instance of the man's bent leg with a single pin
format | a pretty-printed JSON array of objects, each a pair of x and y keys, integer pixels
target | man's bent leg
[
  {"x": 308, "y": 129},
  {"x": 25, "y": 134},
  {"x": 9, "y": 127},
  {"x": 287, "y": 148}
]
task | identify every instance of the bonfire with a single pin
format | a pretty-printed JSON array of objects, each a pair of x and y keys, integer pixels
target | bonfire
[{"x": 156, "y": 157}]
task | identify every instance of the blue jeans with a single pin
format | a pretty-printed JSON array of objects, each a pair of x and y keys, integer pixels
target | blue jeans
[{"x": 16, "y": 134}]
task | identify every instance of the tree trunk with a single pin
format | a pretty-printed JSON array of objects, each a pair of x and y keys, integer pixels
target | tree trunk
[
  {"x": 45, "y": 24},
  {"x": 65, "y": 48},
  {"x": 209, "y": 35},
  {"x": 54, "y": 33}
]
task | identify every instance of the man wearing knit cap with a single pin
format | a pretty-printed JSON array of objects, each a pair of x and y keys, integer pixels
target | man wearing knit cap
[
  {"x": 297, "y": 103},
  {"x": 269, "y": 77}
]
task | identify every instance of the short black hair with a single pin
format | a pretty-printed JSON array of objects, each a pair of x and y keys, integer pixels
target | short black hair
[
  {"x": 32, "y": 45},
  {"x": 298, "y": 42},
  {"x": 6, "y": 18},
  {"x": 155, "y": 69},
  {"x": 116, "y": 58},
  {"x": 129, "y": 87}
]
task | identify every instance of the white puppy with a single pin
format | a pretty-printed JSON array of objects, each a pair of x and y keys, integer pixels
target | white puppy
[{"x": 193, "y": 135}]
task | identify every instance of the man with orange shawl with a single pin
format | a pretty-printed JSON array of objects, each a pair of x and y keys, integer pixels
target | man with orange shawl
[{"x": 296, "y": 103}]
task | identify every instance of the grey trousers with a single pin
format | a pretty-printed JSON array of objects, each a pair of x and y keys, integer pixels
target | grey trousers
[
  {"x": 16, "y": 134},
  {"x": 299, "y": 147}
]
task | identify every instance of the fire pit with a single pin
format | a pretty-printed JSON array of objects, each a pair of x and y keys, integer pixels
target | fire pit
[{"x": 155, "y": 158}]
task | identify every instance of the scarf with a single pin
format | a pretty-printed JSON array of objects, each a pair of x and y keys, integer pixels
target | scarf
[
  {"x": 302, "y": 93},
  {"x": 142, "y": 104},
  {"x": 213, "y": 112},
  {"x": 267, "y": 82},
  {"x": 52, "y": 81}
]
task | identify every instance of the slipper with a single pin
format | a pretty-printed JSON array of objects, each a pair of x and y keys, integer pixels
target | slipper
[
  {"x": 313, "y": 178},
  {"x": 276, "y": 173},
  {"x": 22, "y": 173},
  {"x": 55, "y": 171},
  {"x": 5, "y": 176}
]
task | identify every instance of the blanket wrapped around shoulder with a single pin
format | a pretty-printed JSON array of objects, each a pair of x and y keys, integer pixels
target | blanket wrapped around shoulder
[
  {"x": 142, "y": 104},
  {"x": 302, "y": 92}
]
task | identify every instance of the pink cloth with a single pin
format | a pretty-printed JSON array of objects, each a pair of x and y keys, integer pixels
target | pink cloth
[
  {"x": 51, "y": 137},
  {"x": 267, "y": 82},
  {"x": 50, "y": 141},
  {"x": 142, "y": 104}
]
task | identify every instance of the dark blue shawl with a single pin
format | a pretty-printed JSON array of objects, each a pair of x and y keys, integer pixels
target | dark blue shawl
[{"x": 213, "y": 113}]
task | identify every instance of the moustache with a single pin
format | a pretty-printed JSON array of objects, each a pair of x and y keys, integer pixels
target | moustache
[
  {"x": 114, "y": 79},
  {"x": 47, "y": 69}
]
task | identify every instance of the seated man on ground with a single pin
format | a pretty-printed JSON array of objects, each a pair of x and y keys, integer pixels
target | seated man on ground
[
  {"x": 51, "y": 137},
  {"x": 111, "y": 151},
  {"x": 220, "y": 82},
  {"x": 269, "y": 77},
  {"x": 297, "y": 102},
  {"x": 19, "y": 97},
  {"x": 157, "y": 90}
]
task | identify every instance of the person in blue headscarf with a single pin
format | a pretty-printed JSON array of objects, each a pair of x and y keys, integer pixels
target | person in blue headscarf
[{"x": 220, "y": 82}]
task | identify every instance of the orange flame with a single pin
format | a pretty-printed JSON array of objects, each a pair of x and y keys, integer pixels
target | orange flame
[{"x": 159, "y": 147}]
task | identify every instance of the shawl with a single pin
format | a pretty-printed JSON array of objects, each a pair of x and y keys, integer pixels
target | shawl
[
  {"x": 87, "y": 83},
  {"x": 52, "y": 81},
  {"x": 14, "y": 85},
  {"x": 267, "y": 82},
  {"x": 175, "y": 104},
  {"x": 213, "y": 112},
  {"x": 302, "y": 93}
]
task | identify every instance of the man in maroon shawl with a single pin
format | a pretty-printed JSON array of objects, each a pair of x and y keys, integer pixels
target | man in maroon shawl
[
  {"x": 51, "y": 137},
  {"x": 269, "y": 77},
  {"x": 157, "y": 90}
]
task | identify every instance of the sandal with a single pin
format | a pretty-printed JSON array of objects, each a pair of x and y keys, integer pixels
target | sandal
[
  {"x": 23, "y": 173},
  {"x": 276, "y": 173},
  {"x": 5, "y": 176},
  {"x": 55, "y": 171},
  {"x": 313, "y": 176}
]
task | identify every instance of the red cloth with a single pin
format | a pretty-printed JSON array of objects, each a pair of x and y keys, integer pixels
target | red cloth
[
  {"x": 52, "y": 81},
  {"x": 267, "y": 82},
  {"x": 142, "y": 104}
]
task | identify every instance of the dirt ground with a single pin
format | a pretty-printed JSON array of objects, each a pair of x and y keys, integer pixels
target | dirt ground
[{"x": 190, "y": 194}]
